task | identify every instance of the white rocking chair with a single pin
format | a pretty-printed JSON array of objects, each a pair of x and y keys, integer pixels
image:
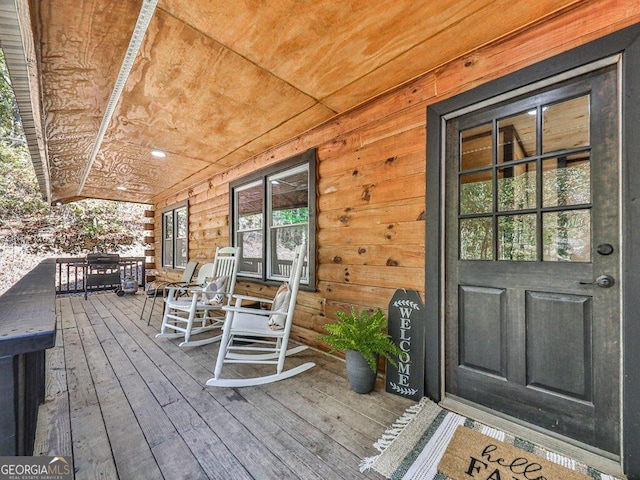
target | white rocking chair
[
  {"x": 181, "y": 313},
  {"x": 250, "y": 335}
]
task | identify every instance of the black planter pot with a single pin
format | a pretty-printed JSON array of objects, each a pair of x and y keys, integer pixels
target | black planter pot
[{"x": 361, "y": 377}]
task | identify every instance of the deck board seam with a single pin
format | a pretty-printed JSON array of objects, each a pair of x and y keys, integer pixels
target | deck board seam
[
  {"x": 119, "y": 317},
  {"x": 137, "y": 393},
  {"x": 308, "y": 427},
  {"x": 175, "y": 351},
  {"x": 353, "y": 459}
]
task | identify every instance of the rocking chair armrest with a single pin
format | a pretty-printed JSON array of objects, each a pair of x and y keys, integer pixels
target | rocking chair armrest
[
  {"x": 200, "y": 289},
  {"x": 195, "y": 289},
  {"x": 253, "y": 311},
  {"x": 253, "y": 299}
]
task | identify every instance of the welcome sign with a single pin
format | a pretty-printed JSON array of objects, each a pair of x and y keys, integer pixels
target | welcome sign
[{"x": 406, "y": 327}]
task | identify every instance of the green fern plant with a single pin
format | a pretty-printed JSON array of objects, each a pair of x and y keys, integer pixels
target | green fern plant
[{"x": 362, "y": 332}]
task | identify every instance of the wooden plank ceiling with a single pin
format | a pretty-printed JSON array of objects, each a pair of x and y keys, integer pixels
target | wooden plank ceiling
[{"x": 217, "y": 81}]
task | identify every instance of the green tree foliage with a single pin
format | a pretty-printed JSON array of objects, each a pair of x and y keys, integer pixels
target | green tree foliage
[
  {"x": 27, "y": 221},
  {"x": 19, "y": 194},
  {"x": 10, "y": 126}
]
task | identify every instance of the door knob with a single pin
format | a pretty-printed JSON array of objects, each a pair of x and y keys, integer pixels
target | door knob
[{"x": 603, "y": 281}]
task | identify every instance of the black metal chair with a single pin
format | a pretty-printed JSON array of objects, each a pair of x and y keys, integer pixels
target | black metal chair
[{"x": 158, "y": 288}]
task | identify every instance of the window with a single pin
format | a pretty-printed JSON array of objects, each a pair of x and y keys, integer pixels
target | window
[
  {"x": 524, "y": 180},
  {"x": 175, "y": 248},
  {"x": 273, "y": 211}
]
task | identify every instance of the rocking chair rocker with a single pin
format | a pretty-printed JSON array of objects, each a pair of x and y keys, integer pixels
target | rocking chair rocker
[
  {"x": 254, "y": 336},
  {"x": 204, "y": 305}
]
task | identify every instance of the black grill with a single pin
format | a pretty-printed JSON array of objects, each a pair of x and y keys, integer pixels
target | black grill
[
  {"x": 102, "y": 272},
  {"x": 103, "y": 259}
]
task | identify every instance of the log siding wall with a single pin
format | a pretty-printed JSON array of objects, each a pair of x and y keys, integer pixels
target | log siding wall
[{"x": 371, "y": 173}]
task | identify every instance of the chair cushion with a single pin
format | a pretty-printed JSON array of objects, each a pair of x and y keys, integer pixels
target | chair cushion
[
  {"x": 280, "y": 301},
  {"x": 214, "y": 289}
]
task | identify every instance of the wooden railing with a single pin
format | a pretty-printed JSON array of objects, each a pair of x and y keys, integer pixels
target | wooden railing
[
  {"x": 71, "y": 271},
  {"x": 27, "y": 329}
]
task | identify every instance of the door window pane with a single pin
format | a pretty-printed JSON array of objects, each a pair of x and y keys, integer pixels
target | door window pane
[
  {"x": 566, "y": 180},
  {"x": 476, "y": 147},
  {"x": 517, "y": 237},
  {"x": 476, "y": 239},
  {"x": 567, "y": 236},
  {"x": 541, "y": 164},
  {"x": 565, "y": 125},
  {"x": 517, "y": 187},
  {"x": 517, "y": 137},
  {"x": 476, "y": 193}
]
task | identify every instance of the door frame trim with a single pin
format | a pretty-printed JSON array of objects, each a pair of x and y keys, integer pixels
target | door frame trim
[{"x": 627, "y": 43}]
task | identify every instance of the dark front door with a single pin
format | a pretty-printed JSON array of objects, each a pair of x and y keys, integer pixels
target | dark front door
[{"x": 532, "y": 259}]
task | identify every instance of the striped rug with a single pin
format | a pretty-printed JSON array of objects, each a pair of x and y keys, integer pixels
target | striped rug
[{"x": 414, "y": 445}]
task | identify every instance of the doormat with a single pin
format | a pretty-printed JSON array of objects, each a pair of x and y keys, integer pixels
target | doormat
[
  {"x": 412, "y": 448},
  {"x": 470, "y": 454}
]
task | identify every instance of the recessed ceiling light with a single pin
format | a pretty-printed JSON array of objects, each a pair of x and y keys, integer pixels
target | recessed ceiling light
[
  {"x": 121, "y": 187},
  {"x": 158, "y": 153}
]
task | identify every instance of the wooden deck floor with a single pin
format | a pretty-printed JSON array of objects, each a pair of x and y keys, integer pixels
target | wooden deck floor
[{"x": 126, "y": 405}]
